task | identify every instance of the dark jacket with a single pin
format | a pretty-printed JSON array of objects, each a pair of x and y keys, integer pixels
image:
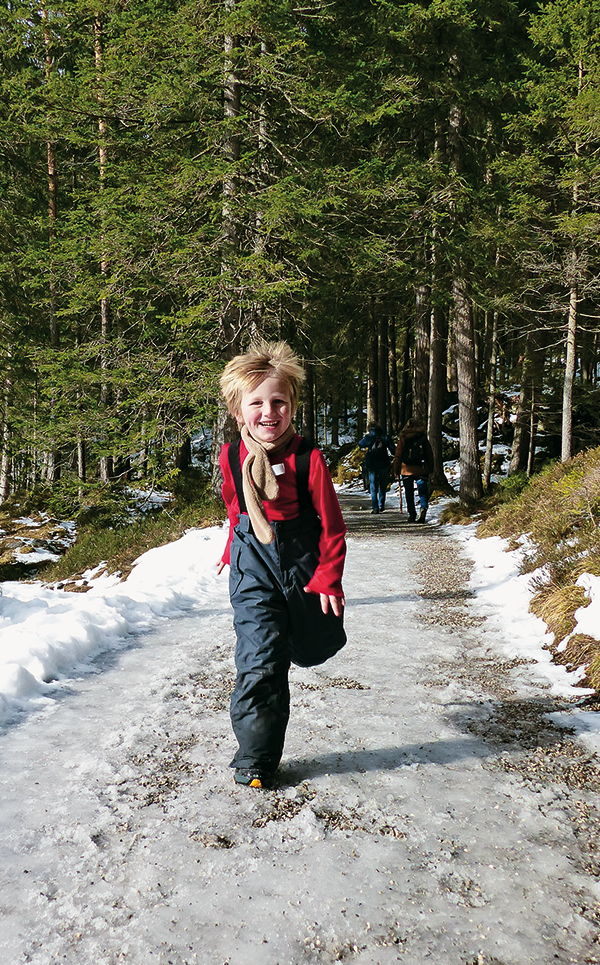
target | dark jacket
[
  {"x": 400, "y": 468},
  {"x": 367, "y": 441}
]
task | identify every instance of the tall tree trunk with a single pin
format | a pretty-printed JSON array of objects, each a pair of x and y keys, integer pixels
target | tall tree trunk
[
  {"x": 308, "y": 403},
  {"x": 567, "y": 400},
  {"x": 52, "y": 457},
  {"x": 5, "y": 458},
  {"x": 225, "y": 428},
  {"x": 405, "y": 388},
  {"x": 489, "y": 440},
  {"x": 464, "y": 340},
  {"x": 372, "y": 387},
  {"x": 520, "y": 445},
  {"x": 393, "y": 376},
  {"x": 571, "y": 346},
  {"x": 106, "y": 462},
  {"x": 334, "y": 413},
  {"x": 437, "y": 392},
  {"x": 421, "y": 355},
  {"x": 470, "y": 472},
  {"x": 360, "y": 416},
  {"x": 382, "y": 370}
]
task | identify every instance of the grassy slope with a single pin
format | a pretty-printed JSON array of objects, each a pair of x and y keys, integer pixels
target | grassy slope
[{"x": 559, "y": 510}]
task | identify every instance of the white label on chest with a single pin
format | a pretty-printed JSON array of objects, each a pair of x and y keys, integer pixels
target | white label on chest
[{"x": 278, "y": 468}]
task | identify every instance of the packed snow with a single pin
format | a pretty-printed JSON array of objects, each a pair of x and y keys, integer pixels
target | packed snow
[
  {"x": 395, "y": 834},
  {"x": 48, "y": 635}
]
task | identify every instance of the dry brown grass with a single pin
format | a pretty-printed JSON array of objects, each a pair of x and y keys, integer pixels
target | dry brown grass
[
  {"x": 559, "y": 511},
  {"x": 582, "y": 651},
  {"x": 556, "y": 606}
]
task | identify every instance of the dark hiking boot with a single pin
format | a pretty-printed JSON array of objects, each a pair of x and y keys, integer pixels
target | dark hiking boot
[
  {"x": 422, "y": 516},
  {"x": 374, "y": 512},
  {"x": 251, "y": 777},
  {"x": 412, "y": 517}
]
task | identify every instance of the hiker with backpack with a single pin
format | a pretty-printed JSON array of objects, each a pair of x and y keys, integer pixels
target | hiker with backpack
[
  {"x": 285, "y": 549},
  {"x": 413, "y": 463},
  {"x": 377, "y": 464}
]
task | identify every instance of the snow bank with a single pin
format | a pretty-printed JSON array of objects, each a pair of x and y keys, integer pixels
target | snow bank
[
  {"x": 503, "y": 596},
  {"x": 47, "y": 633}
]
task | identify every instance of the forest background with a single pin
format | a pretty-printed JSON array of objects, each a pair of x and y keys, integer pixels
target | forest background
[{"x": 406, "y": 192}]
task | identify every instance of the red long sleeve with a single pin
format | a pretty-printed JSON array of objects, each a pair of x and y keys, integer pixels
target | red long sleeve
[{"x": 332, "y": 545}]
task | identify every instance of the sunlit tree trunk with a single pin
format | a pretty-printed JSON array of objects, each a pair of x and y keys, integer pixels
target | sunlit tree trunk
[
  {"x": 489, "y": 440},
  {"x": 464, "y": 341},
  {"x": 470, "y": 473},
  {"x": 373, "y": 370},
  {"x": 5, "y": 458},
  {"x": 51, "y": 457},
  {"x": 382, "y": 370},
  {"x": 437, "y": 391},
  {"x": 571, "y": 343},
  {"x": 105, "y": 465},
  {"x": 393, "y": 376},
  {"x": 567, "y": 400},
  {"x": 225, "y": 428},
  {"x": 421, "y": 355}
]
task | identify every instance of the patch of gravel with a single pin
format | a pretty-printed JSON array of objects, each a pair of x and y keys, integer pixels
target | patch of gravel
[{"x": 544, "y": 755}]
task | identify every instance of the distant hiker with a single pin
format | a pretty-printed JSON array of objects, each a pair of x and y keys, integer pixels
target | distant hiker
[
  {"x": 413, "y": 462},
  {"x": 377, "y": 464},
  {"x": 286, "y": 550}
]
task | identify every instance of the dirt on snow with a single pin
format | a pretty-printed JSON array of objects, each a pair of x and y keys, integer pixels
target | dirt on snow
[{"x": 427, "y": 809}]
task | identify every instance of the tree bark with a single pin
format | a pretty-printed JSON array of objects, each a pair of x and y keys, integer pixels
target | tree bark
[
  {"x": 489, "y": 440},
  {"x": 520, "y": 446},
  {"x": 567, "y": 400},
  {"x": 372, "y": 387},
  {"x": 308, "y": 406},
  {"x": 421, "y": 355},
  {"x": 5, "y": 459},
  {"x": 470, "y": 472},
  {"x": 52, "y": 457},
  {"x": 571, "y": 346},
  {"x": 382, "y": 371},
  {"x": 393, "y": 376},
  {"x": 106, "y": 461},
  {"x": 437, "y": 393},
  {"x": 225, "y": 428}
]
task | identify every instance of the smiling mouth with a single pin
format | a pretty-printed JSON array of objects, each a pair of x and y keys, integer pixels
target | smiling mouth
[{"x": 268, "y": 425}]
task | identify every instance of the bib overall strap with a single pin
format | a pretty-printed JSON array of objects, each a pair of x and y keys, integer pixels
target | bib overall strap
[{"x": 302, "y": 472}]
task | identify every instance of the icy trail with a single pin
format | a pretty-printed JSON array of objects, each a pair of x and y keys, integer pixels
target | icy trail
[{"x": 428, "y": 810}]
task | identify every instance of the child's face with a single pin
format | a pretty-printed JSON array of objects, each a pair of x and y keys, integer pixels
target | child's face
[{"x": 267, "y": 409}]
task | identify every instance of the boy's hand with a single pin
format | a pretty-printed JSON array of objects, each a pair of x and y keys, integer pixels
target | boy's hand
[
  {"x": 220, "y": 566},
  {"x": 337, "y": 603}
]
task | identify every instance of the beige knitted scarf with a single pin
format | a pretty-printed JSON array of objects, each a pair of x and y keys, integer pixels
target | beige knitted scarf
[{"x": 259, "y": 481}]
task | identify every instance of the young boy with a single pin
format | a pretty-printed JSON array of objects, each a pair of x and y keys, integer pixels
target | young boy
[{"x": 286, "y": 551}]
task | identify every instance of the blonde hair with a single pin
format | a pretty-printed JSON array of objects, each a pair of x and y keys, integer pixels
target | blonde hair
[{"x": 262, "y": 360}]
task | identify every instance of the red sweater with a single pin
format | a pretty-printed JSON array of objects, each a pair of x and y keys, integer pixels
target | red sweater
[{"x": 327, "y": 577}]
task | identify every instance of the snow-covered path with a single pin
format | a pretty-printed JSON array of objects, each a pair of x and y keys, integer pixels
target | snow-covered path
[{"x": 427, "y": 809}]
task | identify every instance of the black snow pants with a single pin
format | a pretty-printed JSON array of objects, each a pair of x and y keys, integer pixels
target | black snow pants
[{"x": 276, "y": 623}]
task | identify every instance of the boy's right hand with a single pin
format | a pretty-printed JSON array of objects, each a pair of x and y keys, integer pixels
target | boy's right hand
[
  {"x": 220, "y": 567},
  {"x": 336, "y": 603}
]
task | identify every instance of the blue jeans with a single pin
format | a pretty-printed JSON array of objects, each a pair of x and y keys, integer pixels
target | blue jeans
[
  {"x": 409, "y": 491},
  {"x": 378, "y": 486}
]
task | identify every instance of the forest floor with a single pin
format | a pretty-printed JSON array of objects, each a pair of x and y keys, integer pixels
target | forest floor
[{"x": 427, "y": 808}]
